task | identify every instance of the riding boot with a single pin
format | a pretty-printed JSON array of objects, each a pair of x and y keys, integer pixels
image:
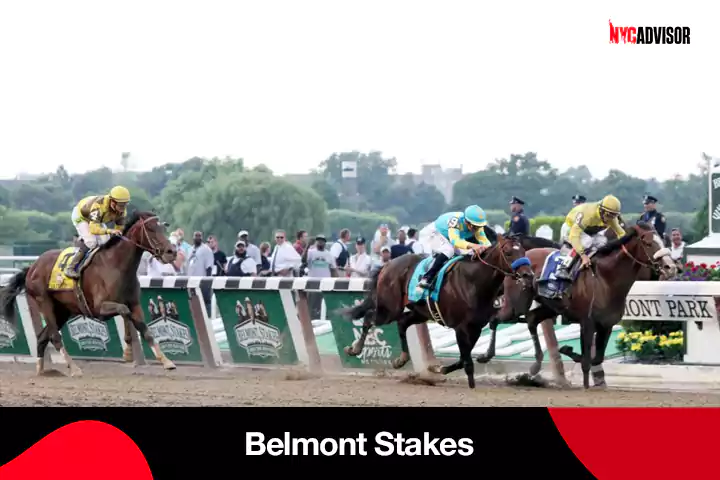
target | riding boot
[
  {"x": 427, "y": 279},
  {"x": 71, "y": 269},
  {"x": 564, "y": 269}
]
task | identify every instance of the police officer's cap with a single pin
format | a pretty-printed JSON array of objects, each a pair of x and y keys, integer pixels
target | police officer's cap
[
  {"x": 579, "y": 198},
  {"x": 649, "y": 199},
  {"x": 515, "y": 199}
]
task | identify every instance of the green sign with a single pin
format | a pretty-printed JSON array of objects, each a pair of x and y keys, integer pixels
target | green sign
[
  {"x": 91, "y": 338},
  {"x": 382, "y": 344},
  {"x": 169, "y": 319},
  {"x": 12, "y": 338},
  {"x": 715, "y": 203},
  {"x": 256, "y": 326}
]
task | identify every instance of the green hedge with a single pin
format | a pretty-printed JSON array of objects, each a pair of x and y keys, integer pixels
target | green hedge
[
  {"x": 553, "y": 222},
  {"x": 359, "y": 223}
]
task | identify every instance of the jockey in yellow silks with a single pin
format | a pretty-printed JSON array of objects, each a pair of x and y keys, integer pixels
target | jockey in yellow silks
[
  {"x": 90, "y": 218},
  {"x": 603, "y": 214},
  {"x": 450, "y": 233}
]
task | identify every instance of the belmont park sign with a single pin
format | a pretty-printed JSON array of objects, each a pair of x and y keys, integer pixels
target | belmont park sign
[{"x": 670, "y": 308}]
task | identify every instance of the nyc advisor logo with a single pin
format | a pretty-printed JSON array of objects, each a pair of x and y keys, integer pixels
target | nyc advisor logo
[
  {"x": 665, "y": 35},
  {"x": 385, "y": 444}
]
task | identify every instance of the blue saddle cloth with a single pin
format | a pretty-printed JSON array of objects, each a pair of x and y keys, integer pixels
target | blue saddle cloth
[
  {"x": 413, "y": 294},
  {"x": 549, "y": 286}
]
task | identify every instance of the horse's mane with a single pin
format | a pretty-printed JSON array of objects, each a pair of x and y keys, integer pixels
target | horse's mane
[
  {"x": 134, "y": 217},
  {"x": 542, "y": 242},
  {"x": 613, "y": 245}
]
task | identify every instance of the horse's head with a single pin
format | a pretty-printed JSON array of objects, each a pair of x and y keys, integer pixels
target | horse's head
[
  {"x": 146, "y": 231},
  {"x": 508, "y": 257},
  {"x": 647, "y": 249}
]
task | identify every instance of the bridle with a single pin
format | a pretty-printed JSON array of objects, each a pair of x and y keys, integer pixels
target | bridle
[
  {"x": 654, "y": 264},
  {"x": 512, "y": 271},
  {"x": 155, "y": 249}
]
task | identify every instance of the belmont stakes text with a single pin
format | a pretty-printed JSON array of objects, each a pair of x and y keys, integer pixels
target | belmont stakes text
[{"x": 386, "y": 444}]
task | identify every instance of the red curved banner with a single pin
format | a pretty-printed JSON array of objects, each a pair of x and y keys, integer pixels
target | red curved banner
[
  {"x": 632, "y": 443},
  {"x": 80, "y": 451}
]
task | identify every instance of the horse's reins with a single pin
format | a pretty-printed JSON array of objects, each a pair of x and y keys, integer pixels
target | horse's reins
[{"x": 511, "y": 273}]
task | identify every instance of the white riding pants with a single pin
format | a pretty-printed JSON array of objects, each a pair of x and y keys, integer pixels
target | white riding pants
[
  {"x": 587, "y": 241},
  {"x": 434, "y": 241},
  {"x": 83, "y": 229}
]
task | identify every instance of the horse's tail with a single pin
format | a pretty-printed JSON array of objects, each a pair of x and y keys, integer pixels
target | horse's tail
[
  {"x": 360, "y": 310},
  {"x": 9, "y": 293}
]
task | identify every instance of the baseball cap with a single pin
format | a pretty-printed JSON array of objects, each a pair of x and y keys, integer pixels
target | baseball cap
[
  {"x": 242, "y": 232},
  {"x": 385, "y": 248},
  {"x": 360, "y": 240},
  {"x": 240, "y": 242}
]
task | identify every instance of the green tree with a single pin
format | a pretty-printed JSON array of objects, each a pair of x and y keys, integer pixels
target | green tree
[
  {"x": 329, "y": 193},
  {"x": 359, "y": 223},
  {"x": 254, "y": 201}
]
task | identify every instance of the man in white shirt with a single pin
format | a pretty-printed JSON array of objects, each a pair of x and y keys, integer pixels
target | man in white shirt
[
  {"x": 284, "y": 260},
  {"x": 361, "y": 262},
  {"x": 252, "y": 250}
]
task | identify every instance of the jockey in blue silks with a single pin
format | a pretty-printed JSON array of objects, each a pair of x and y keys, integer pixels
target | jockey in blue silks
[{"x": 449, "y": 234}]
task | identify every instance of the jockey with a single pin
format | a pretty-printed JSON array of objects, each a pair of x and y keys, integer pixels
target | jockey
[
  {"x": 90, "y": 216},
  {"x": 451, "y": 232},
  {"x": 601, "y": 214}
]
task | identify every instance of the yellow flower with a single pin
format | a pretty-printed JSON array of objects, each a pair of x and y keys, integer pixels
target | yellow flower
[
  {"x": 663, "y": 338},
  {"x": 621, "y": 335},
  {"x": 663, "y": 343},
  {"x": 648, "y": 332},
  {"x": 635, "y": 335},
  {"x": 635, "y": 348}
]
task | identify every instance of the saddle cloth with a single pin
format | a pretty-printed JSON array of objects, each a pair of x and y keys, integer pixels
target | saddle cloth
[
  {"x": 413, "y": 294},
  {"x": 549, "y": 285},
  {"x": 58, "y": 279}
]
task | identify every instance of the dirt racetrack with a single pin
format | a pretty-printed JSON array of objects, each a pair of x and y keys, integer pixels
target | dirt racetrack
[{"x": 125, "y": 385}]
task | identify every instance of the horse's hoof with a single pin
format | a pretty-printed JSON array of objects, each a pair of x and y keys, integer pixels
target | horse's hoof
[
  {"x": 76, "y": 372},
  {"x": 566, "y": 350},
  {"x": 169, "y": 365},
  {"x": 435, "y": 368},
  {"x": 349, "y": 351},
  {"x": 483, "y": 359},
  {"x": 535, "y": 369},
  {"x": 398, "y": 363}
]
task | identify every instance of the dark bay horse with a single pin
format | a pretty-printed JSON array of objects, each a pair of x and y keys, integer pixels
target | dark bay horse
[
  {"x": 108, "y": 281},
  {"x": 465, "y": 301},
  {"x": 596, "y": 300}
]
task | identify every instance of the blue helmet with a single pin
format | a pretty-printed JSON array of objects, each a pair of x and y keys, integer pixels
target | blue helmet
[{"x": 475, "y": 216}]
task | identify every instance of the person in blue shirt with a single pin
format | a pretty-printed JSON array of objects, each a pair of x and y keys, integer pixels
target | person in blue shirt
[{"x": 450, "y": 233}]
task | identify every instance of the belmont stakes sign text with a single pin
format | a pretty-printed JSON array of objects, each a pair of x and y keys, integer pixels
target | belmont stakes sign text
[{"x": 670, "y": 308}]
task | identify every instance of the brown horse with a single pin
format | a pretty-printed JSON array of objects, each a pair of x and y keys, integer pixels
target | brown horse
[
  {"x": 597, "y": 297},
  {"x": 108, "y": 284},
  {"x": 465, "y": 302}
]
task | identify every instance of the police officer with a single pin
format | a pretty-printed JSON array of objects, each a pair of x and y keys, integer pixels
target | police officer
[
  {"x": 652, "y": 216},
  {"x": 519, "y": 223},
  {"x": 578, "y": 199}
]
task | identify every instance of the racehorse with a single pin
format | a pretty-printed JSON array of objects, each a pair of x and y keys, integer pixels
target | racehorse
[
  {"x": 465, "y": 300},
  {"x": 108, "y": 286},
  {"x": 596, "y": 299}
]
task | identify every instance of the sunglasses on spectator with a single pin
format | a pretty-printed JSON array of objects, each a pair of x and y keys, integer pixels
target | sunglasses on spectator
[{"x": 279, "y": 237}]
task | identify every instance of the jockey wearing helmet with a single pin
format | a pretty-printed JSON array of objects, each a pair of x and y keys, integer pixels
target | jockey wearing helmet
[
  {"x": 589, "y": 216},
  {"x": 90, "y": 217},
  {"x": 451, "y": 232}
]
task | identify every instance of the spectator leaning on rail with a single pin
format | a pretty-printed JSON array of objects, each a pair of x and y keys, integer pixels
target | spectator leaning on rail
[
  {"x": 240, "y": 264},
  {"x": 285, "y": 260}
]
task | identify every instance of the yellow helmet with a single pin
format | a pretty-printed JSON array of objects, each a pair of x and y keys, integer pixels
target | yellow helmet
[
  {"x": 120, "y": 194},
  {"x": 610, "y": 204}
]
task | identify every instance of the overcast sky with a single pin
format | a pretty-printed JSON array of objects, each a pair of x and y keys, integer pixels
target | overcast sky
[{"x": 286, "y": 83}]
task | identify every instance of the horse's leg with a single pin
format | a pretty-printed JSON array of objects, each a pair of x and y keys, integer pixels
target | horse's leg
[
  {"x": 490, "y": 353},
  {"x": 602, "y": 336},
  {"x": 138, "y": 319},
  {"x": 43, "y": 339},
  {"x": 533, "y": 318},
  {"x": 60, "y": 316},
  {"x": 586, "y": 340},
  {"x": 551, "y": 343},
  {"x": 357, "y": 346},
  {"x": 110, "y": 309},
  {"x": 466, "y": 340},
  {"x": 129, "y": 339},
  {"x": 404, "y": 322}
]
